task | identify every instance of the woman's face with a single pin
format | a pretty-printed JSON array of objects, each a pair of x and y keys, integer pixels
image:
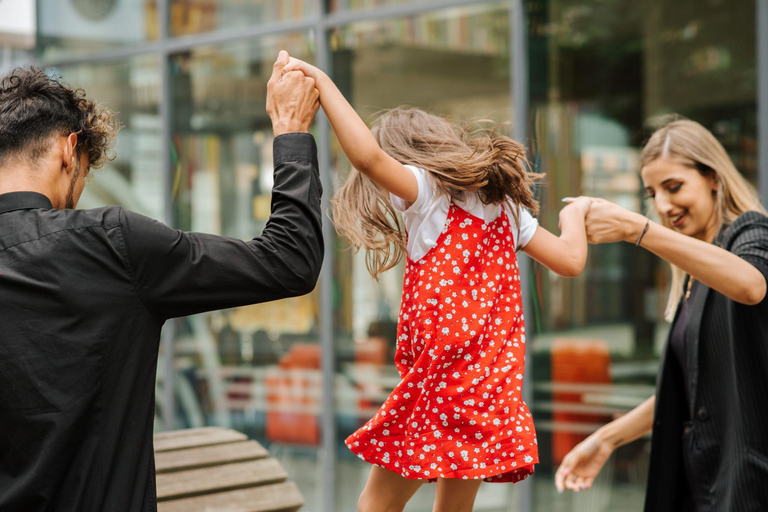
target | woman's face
[{"x": 683, "y": 197}]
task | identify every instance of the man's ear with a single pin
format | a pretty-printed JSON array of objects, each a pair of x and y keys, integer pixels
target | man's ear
[{"x": 70, "y": 153}]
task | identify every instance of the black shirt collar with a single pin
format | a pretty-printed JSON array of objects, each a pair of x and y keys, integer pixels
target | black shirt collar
[{"x": 23, "y": 201}]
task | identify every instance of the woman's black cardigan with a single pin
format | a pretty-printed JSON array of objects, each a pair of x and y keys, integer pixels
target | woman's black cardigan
[{"x": 728, "y": 378}]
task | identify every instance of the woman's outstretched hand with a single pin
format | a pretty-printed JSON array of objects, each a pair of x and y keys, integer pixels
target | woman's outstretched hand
[
  {"x": 608, "y": 222},
  {"x": 582, "y": 464}
]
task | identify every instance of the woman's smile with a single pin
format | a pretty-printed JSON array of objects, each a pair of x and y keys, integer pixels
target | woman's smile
[
  {"x": 683, "y": 198},
  {"x": 677, "y": 221}
]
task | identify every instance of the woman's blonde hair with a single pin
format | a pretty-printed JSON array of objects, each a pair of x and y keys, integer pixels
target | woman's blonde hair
[
  {"x": 690, "y": 144},
  {"x": 472, "y": 159}
]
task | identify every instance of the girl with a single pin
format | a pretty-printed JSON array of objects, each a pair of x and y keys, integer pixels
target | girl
[{"x": 457, "y": 416}]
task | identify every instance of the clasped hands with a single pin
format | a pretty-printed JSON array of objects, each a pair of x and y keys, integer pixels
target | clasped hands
[
  {"x": 292, "y": 98},
  {"x": 608, "y": 222}
]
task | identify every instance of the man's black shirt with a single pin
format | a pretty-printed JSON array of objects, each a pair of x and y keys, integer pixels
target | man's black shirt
[{"x": 83, "y": 295}]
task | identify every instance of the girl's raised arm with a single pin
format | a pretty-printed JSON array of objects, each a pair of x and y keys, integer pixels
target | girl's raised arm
[{"x": 356, "y": 139}]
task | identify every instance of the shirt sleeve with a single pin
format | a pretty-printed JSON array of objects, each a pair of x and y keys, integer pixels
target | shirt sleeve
[
  {"x": 181, "y": 273},
  {"x": 528, "y": 227},
  {"x": 424, "y": 219},
  {"x": 425, "y": 194},
  {"x": 751, "y": 244}
]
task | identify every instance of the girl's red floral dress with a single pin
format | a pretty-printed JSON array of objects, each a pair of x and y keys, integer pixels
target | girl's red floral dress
[{"x": 458, "y": 411}]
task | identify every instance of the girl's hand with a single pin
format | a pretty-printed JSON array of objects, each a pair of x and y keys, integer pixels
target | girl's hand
[
  {"x": 608, "y": 222},
  {"x": 292, "y": 100},
  {"x": 309, "y": 70},
  {"x": 583, "y": 203},
  {"x": 582, "y": 464}
]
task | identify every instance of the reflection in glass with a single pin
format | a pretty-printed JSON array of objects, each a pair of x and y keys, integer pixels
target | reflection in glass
[
  {"x": 253, "y": 368},
  {"x": 602, "y": 75},
  {"x": 200, "y": 16},
  {"x": 451, "y": 63},
  {"x": 348, "y": 5},
  {"x": 130, "y": 89},
  {"x": 134, "y": 179},
  {"x": 79, "y": 27}
]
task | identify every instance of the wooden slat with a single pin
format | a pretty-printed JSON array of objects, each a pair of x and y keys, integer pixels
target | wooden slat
[
  {"x": 239, "y": 475},
  {"x": 205, "y": 456},
  {"x": 197, "y": 437},
  {"x": 283, "y": 497},
  {"x": 186, "y": 432}
]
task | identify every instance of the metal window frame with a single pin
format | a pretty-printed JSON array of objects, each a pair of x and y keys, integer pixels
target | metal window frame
[
  {"x": 762, "y": 97},
  {"x": 518, "y": 70}
]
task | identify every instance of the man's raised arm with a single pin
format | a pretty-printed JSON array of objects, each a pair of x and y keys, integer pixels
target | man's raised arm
[{"x": 179, "y": 273}]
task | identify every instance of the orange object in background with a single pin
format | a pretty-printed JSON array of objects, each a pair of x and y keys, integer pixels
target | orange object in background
[
  {"x": 370, "y": 357},
  {"x": 371, "y": 351},
  {"x": 576, "y": 361},
  {"x": 293, "y": 396}
]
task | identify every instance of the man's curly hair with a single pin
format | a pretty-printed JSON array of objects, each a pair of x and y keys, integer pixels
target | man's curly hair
[{"x": 35, "y": 107}]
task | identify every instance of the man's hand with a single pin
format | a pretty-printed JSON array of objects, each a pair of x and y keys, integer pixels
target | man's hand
[{"x": 292, "y": 99}]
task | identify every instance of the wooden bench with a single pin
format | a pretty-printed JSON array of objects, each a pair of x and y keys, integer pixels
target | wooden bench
[{"x": 212, "y": 468}]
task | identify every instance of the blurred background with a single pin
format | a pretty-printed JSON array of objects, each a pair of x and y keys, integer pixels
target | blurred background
[{"x": 582, "y": 82}]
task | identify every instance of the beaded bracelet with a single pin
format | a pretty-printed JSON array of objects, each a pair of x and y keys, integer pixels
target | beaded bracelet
[{"x": 645, "y": 229}]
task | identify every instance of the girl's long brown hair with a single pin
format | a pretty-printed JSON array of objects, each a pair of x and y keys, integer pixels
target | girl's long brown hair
[{"x": 472, "y": 159}]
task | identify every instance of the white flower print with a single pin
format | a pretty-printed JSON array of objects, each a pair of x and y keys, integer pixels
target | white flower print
[{"x": 487, "y": 345}]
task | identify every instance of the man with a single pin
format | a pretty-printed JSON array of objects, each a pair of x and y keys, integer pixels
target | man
[{"x": 84, "y": 293}]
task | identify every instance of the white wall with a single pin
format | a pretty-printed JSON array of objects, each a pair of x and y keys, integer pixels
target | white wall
[{"x": 17, "y": 17}]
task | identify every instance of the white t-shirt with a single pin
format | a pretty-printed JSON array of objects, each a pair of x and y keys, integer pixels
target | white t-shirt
[{"x": 425, "y": 218}]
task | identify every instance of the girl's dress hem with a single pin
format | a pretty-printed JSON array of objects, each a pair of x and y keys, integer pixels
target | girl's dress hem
[{"x": 504, "y": 472}]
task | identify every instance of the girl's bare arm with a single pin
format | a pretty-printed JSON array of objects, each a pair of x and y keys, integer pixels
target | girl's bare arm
[
  {"x": 356, "y": 139},
  {"x": 567, "y": 254}
]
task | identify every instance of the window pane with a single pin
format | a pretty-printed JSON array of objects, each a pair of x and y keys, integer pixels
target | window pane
[
  {"x": 200, "y": 16},
  {"x": 352, "y": 5},
  {"x": 134, "y": 179},
  {"x": 452, "y": 63},
  {"x": 79, "y": 27},
  {"x": 130, "y": 89},
  {"x": 602, "y": 74},
  {"x": 255, "y": 368}
]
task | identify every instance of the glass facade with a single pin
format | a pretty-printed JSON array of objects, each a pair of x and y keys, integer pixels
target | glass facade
[
  {"x": 200, "y": 16},
  {"x": 431, "y": 61},
  {"x": 602, "y": 75},
  {"x": 188, "y": 80},
  {"x": 131, "y": 87},
  {"x": 88, "y": 27}
]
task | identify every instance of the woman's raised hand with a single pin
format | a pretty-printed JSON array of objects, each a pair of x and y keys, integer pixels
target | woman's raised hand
[
  {"x": 608, "y": 222},
  {"x": 582, "y": 464}
]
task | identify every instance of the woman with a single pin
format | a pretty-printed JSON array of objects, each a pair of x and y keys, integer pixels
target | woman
[{"x": 709, "y": 416}]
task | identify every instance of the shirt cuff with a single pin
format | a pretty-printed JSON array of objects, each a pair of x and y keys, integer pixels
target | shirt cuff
[{"x": 294, "y": 147}]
